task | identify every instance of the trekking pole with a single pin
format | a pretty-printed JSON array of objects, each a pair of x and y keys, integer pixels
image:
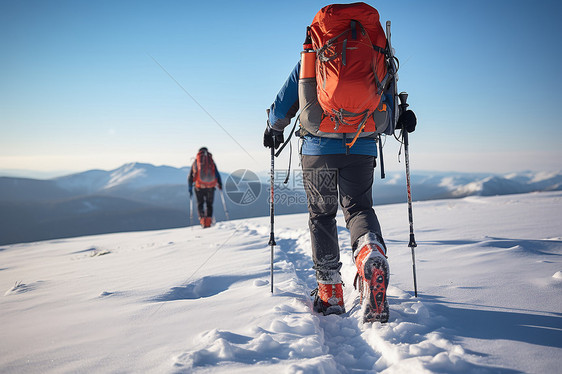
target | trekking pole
[
  {"x": 224, "y": 205},
  {"x": 271, "y": 213},
  {"x": 190, "y": 210},
  {"x": 403, "y": 106}
]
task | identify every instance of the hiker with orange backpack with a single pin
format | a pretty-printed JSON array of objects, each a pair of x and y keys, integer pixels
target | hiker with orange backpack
[
  {"x": 205, "y": 175},
  {"x": 345, "y": 88}
]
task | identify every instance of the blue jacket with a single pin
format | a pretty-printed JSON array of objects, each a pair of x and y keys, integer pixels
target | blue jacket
[{"x": 286, "y": 106}]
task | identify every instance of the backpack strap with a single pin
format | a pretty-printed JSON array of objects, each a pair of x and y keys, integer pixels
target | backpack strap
[
  {"x": 361, "y": 127},
  {"x": 382, "y": 85},
  {"x": 339, "y": 115},
  {"x": 384, "y": 51},
  {"x": 353, "y": 25},
  {"x": 321, "y": 52},
  {"x": 353, "y": 29}
]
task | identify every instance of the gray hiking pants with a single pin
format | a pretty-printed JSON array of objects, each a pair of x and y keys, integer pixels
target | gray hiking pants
[
  {"x": 326, "y": 179},
  {"x": 205, "y": 198}
]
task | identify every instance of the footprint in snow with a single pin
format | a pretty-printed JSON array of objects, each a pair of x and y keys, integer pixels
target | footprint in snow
[
  {"x": 20, "y": 287},
  {"x": 201, "y": 288}
]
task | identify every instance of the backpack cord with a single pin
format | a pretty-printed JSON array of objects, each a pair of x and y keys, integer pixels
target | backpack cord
[
  {"x": 399, "y": 138},
  {"x": 290, "y": 149},
  {"x": 289, "y": 167}
]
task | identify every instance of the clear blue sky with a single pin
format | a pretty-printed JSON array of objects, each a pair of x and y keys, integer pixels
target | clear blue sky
[{"x": 79, "y": 87}]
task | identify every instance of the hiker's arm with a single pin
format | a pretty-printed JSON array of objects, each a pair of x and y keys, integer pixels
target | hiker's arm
[
  {"x": 286, "y": 104},
  {"x": 218, "y": 176}
]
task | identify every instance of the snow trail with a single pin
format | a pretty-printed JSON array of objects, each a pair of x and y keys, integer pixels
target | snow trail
[{"x": 311, "y": 342}]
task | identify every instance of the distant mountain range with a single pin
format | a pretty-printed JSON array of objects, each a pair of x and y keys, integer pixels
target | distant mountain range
[
  {"x": 137, "y": 197},
  {"x": 439, "y": 185}
]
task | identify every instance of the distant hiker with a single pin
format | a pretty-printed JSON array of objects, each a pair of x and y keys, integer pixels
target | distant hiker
[
  {"x": 347, "y": 99},
  {"x": 205, "y": 175}
]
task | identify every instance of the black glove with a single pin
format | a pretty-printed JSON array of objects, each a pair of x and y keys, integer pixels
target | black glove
[
  {"x": 272, "y": 138},
  {"x": 407, "y": 121}
]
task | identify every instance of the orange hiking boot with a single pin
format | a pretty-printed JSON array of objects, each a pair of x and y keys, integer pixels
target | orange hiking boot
[
  {"x": 372, "y": 278},
  {"x": 329, "y": 298},
  {"x": 206, "y": 221}
]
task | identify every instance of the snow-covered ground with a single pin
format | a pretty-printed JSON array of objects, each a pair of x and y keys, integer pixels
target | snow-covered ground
[{"x": 489, "y": 273}]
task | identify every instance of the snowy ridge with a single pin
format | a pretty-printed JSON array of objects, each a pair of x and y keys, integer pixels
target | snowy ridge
[
  {"x": 190, "y": 300},
  {"x": 488, "y": 186},
  {"x": 125, "y": 174},
  {"x": 134, "y": 175}
]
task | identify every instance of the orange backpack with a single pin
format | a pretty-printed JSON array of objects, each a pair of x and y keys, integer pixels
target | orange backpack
[
  {"x": 351, "y": 67},
  {"x": 204, "y": 168}
]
